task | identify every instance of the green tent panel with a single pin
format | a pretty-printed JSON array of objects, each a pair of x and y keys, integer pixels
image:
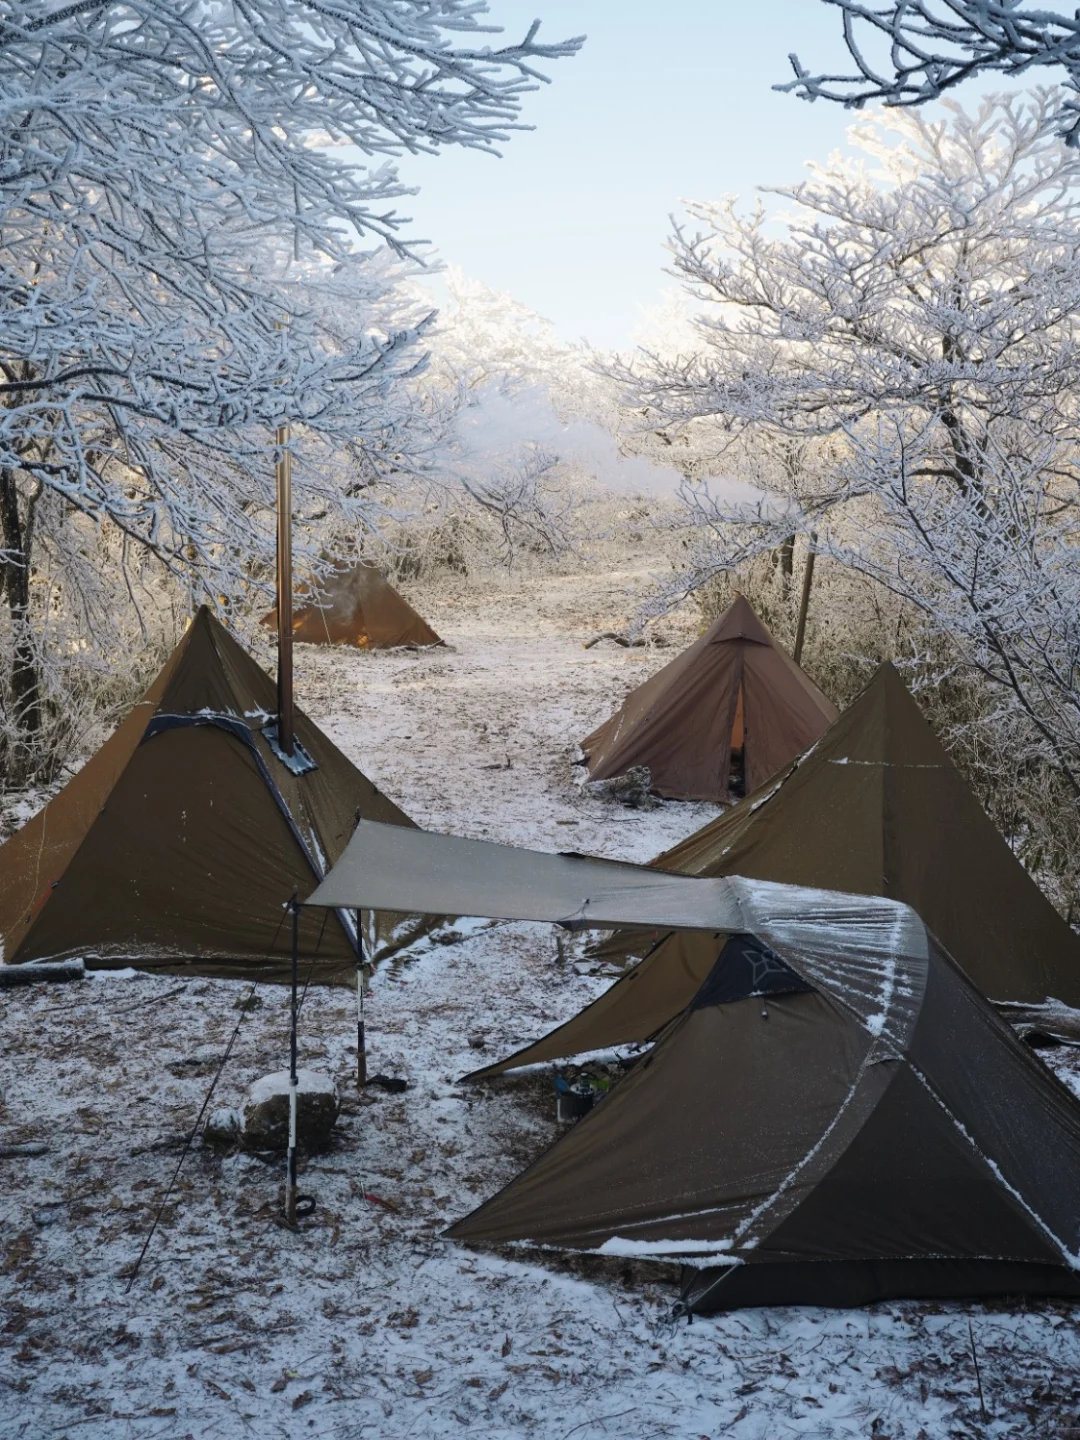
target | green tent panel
[
  {"x": 178, "y": 844},
  {"x": 876, "y": 807},
  {"x": 788, "y": 1145}
]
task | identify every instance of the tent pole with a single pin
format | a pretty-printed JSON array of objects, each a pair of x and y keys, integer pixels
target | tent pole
[
  {"x": 361, "y": 1042},
  {"x": 284, "y": 589},
  {"x": 290, "y": 1173},
  {"x": 804, "y": 601}
]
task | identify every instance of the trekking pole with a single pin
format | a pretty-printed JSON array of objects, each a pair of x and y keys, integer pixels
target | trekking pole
[
  {"x": 290, "y": 1172},
  {"x": 361, "y": 987}
]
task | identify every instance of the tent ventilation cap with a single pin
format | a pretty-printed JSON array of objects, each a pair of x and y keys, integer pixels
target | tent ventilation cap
[{"x": 299, "y": 762}]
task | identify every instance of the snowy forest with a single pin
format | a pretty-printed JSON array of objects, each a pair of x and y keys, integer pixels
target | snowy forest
[
  {"x": 857, "y": 408},
  {"x": 889, "y": 371}
]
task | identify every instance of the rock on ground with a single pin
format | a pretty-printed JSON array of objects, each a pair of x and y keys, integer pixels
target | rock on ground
[{"x": 265, "y": 1112}]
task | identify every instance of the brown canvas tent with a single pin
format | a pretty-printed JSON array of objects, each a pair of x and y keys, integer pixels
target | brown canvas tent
[
  {"x": 734, "y": 692},
  {"x": 357, "y": 606},
  {"x": 835, "y": 1116},
  {"x": 794, "y": 1144},
  {"x": 875, "y": 808},
  {"x": 179, "y": 842}
]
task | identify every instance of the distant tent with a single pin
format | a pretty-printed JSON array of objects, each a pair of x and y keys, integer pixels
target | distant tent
[
  {"x": 358, "y": 606},
  {"x": 180, "y": 841},
  {"x": 734, "y": 697},
  {"x": 875, "y": 808},
  {"x": 836, "y": 1117}
]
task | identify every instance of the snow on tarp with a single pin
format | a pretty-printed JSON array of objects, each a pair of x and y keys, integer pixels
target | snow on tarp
[{"x": 869, "y": 953}]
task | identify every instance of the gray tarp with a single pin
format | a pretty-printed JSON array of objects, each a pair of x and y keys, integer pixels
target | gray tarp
[
  {"x": 501, "y": 882},
  {"x": 871, "y": 942}
]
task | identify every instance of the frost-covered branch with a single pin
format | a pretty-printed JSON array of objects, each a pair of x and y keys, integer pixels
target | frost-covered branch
[
  {"x": 914, "y": 332},
  {"x": 910, "y": 51},
  {"x": 273, "y": 91},
  {"x": 184, "y": 189}
]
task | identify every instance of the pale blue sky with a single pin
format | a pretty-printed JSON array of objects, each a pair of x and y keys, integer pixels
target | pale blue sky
[{"x": 663, "y": 102}]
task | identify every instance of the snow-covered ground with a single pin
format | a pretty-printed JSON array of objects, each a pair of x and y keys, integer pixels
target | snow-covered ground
[{"x": 365, "y": 1322}]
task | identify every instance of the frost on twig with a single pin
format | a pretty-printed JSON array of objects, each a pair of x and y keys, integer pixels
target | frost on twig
[
  {"x": 910, "y": 51},
  {"x": 183, "y": 194},
  {"x": 913, "y": 334}
]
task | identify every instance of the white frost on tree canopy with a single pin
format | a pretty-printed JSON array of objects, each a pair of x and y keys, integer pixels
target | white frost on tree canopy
[
  {"x": 911, "y": 51},
  {"x": 911, "y": 334},
  {"x": 183, "y": 190}
]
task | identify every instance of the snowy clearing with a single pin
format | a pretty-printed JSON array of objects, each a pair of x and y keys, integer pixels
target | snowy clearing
[{"x": 365, "y": 1322}]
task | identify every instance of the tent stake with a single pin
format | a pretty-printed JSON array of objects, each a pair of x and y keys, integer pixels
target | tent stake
[
  {"x": 284, "y": 589},
  {"x": 804, "y": 601},
  {"x": 290, "y": 1172},
  {"x": 361, "y": 1040}
]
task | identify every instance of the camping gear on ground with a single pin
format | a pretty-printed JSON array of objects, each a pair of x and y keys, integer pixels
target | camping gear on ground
[
  {"x": 572, "y": 1101},
  {"x": 876, "y": 807},
  {"x": 835, "y": 1116},
  {"x": 57, "y": 972},
  {"x": 734, "y": 696},
  {"x": 356, "y": 606},
  {"x": 177, "y": 845}
]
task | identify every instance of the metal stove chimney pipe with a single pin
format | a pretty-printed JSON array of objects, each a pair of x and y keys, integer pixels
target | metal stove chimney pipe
[{"x": 284, "y": 591}]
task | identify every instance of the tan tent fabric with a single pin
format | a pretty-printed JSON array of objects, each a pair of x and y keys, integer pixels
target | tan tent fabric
[
  {"x": 632, "y": 1011},
  {"x": 793, "y": 1147},
  {"x": 733, "y": 688},
  {"x": 876, "y": 808},
  {"x": 360, "y": 607},
  {"x": 834, "y": 1115},
  {"x": 178, "y": 843}
]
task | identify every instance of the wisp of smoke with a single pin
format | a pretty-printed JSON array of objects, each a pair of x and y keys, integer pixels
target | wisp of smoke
[{"x": 498, "y": 425}]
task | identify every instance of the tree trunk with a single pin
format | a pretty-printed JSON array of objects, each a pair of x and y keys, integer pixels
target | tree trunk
[
  {"x": 25, "y": 680},
  {"x": 784, "y": 559},
  {"x": 804, "y": 601}
]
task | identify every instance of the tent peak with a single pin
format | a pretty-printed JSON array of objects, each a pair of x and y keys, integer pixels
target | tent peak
[
  {"x": 739, "y": 621},
  {"x": 887, "y": 676},
  {"x": 901, "y": 724}
]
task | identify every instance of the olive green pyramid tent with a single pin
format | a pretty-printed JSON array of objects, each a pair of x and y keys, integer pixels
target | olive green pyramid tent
[
  {"x": 179, "y": 842},
  {"x": 802, "y": 1135},
  {"x": 835, "y": 1115},
  {"x": 358, "y": 606},
  {"x": 735, "y": 694},
  {"x": 875, "y": 808}
]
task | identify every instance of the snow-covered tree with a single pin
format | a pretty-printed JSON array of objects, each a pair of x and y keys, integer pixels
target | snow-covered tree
[
  {"x": 536, "y": 423},
  {"x": 906, "y": 52},
  {"x": 183, "y": 188},
  {"x": 914, "y": 330}
]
